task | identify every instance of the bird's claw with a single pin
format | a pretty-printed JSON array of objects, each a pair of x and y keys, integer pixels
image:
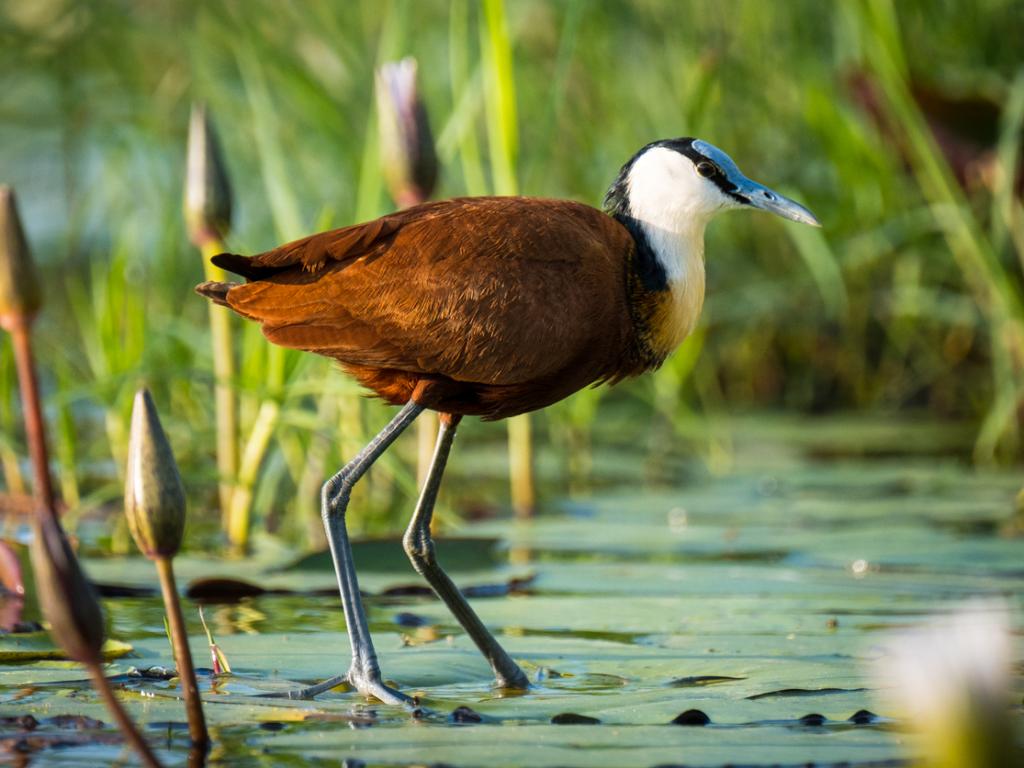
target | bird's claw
[
  {"x": 311, "y": 691},
  {"x": 371, "y": 686}
]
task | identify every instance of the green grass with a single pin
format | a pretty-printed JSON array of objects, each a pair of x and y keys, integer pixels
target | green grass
[{"x": 910, "y": 297}]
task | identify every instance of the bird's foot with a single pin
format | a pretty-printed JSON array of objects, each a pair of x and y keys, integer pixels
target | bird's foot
[
  {"x": 517, "y": 682},
  {"x": 508, "y": 675},
  {"x": 371, "y": 686},
  {"x": 312, "y": 691}
]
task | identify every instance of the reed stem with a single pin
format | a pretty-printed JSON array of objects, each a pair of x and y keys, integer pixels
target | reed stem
[
  {"x": 426, "y": 437},
  {"x": 520, "y": 464},
  {"x": 240, "y": 506},
  {"x": 225, "y": 400},
  {"x": 182, "y": 655},
  {"x": 503, "y": 137}
]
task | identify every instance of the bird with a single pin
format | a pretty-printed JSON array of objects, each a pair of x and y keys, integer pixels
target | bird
[{"x": 490, "y": 307}]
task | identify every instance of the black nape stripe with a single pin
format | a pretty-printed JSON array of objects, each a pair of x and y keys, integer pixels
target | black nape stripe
[{"x": 648, "y": 267}]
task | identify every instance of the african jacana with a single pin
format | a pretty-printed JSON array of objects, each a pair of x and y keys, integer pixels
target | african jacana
[{"x": 491, "y": 307}]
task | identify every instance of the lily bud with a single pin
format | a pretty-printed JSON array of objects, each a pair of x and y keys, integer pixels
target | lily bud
[
  {"x": 407, "y": 145},
  {"x": 154, "y": 498},
  {"x": 20, "y": 296},
  {"x": 207, "y": 188},
  {"x": 66, "y": 596}
]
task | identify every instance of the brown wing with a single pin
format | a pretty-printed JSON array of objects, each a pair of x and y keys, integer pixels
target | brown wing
[{"x": 491, "y": 290}]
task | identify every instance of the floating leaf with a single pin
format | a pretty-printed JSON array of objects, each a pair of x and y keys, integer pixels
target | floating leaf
[{"x": 34, "y": 646}]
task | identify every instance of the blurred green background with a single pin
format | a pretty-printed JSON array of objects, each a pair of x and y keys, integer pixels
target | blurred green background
[{"x": 898, "y": 124}]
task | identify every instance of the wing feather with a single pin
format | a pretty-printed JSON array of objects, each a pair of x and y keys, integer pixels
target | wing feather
[{"x": 490, "y": 290}]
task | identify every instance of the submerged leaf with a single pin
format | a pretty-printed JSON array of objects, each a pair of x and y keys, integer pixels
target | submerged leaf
[{"x": 36, "y": 646}]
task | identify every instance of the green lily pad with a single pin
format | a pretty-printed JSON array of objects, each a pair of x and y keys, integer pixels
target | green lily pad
[{"x": 37, "y": 646}]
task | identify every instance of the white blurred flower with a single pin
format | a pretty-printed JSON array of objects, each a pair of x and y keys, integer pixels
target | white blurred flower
[{"x": 950, "y": 677}]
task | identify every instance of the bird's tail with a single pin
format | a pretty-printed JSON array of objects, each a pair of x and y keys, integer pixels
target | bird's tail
[{"x": 216, "y": 292}]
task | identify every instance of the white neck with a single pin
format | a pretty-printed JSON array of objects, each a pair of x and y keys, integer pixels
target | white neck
[{"x": 670, "y": 203}]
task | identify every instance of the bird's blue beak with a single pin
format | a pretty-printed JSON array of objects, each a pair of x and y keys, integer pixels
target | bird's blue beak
[{"x": 759, "y": 196}]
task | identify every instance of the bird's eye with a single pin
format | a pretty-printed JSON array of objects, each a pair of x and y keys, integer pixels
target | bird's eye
[{"x": 706, "y": 169}]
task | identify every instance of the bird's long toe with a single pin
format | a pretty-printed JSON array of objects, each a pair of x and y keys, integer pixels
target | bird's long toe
[
  {"x": 314, "y": 690},
  {"x": 374, "y": 687}
]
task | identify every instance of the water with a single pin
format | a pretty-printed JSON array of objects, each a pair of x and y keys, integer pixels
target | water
[{"x": 757, "y": 593}]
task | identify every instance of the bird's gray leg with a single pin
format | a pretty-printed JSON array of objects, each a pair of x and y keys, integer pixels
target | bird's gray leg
[
  {"x": 419, "y": 546},
  {"x": 364, "y": 674}
]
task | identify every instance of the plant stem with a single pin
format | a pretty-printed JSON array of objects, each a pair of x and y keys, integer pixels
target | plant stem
[
  {"x": 426, "y": 437},
  {"x": 35, "y": 428},
  {"x": 182, "y": 654},
  {"x": 520, "y": 464},
  {"x": 240, "y": 507},
  {"x": 224, "y": 393},
  {"x": 128, "y": 728},
  {"x": 503, "y": 135}
]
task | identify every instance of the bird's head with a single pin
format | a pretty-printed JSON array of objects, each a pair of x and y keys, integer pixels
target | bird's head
[{"x": 680, "y": 184}]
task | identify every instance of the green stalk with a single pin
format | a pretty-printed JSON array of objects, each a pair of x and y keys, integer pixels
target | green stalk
[
  {"x": 426, "y": 437},
  {"x": 240, "y": 508},
  {"x": 307, "y": 488},
  {"x": 287, "y": 218},
  {"x": 225, "y": 401},
  {"x": 462, "y": 85},
  {"x": 503, "y": 137},
  {"x": 520, "y": 466}
]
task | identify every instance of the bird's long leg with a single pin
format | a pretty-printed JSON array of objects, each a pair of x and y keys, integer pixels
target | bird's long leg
[
  {"x": 364, "y": 674},
  {"x": 419, "y": 546}
]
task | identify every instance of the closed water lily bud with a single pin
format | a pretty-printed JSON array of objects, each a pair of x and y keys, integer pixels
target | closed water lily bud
[
  {"x": 207, "y": 188},
  {"x": 20, "y": 297},
  {"x": 407, "y": 146},
  {"x": 66, "y": 596},
  {"x": 154, "y": 498}
]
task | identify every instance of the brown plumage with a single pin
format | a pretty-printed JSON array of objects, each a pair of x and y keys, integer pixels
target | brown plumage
[
  {"x": 491, "y": 306},
  {"x": 488, "y": 306}
]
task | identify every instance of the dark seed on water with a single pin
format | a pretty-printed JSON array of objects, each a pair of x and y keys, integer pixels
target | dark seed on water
[
  {"x": 153, "y": 673},
  {"x": 571, "y": 718},
  {"x": 465, "y": 715},
  {"x": 863, "y": 717},
  {"x": 691, "y": 717},
  {"x": 272, "y": 725},
  {"x": 26, "y": 626},
  {"x": 24, "y": 722},
  {"x": 81, "y": 722},
  {"x": 812, "y": 719},
  {"x": 694, "y": 681},
  {"x": 167, "y": 725}
]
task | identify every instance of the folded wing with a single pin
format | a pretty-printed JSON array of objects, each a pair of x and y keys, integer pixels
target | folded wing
[{"x": 490, "y": 290}]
